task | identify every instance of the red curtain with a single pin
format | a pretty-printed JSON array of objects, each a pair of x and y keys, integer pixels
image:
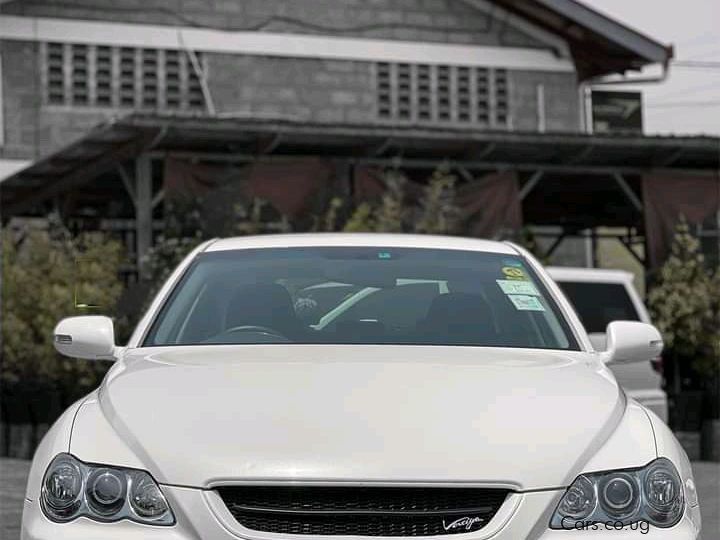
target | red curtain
[
  {"x": 185, "y": 179},
  {"x": 288, "y": 186},
  {"x": 667, "y": 196},
  {"x": 490, "y": 206}
]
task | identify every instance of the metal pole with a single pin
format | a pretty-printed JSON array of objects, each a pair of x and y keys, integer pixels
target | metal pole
[
  {"x": 541, "y": 113},
  {"x": 587, "y": 240},
  {"x": 594, "y": 241},
  {"x": 143, "y": 209}
]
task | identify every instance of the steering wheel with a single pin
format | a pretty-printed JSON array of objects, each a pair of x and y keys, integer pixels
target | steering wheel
[{"x": 256, "y": 329}]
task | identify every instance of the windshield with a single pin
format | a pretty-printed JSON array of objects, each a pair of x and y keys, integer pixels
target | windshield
[{"x": 360, "y": 295}]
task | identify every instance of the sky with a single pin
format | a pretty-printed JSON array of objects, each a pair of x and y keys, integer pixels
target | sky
[{"x": 689, "y": 101}]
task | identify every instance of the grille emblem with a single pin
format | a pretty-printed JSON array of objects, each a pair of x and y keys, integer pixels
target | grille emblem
[{"x": 467, "y": 523}]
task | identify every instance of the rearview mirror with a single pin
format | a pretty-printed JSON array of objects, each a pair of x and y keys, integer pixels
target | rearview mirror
[
  {"x": 91, "y": 337},
  {"x": 631, "y": 341}
]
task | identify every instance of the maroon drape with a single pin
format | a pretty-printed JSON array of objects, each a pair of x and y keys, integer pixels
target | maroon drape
[
  {"x": 667, "y": 196},
  {"x": 288, "y": 186},
  {"x": 490, "y": 206},
  {"x": 184, "y": 179}
]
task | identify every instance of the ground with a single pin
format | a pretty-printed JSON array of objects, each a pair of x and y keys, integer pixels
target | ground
[
  {"x": 13, "y": 476},
  {"x": 14, "y": 472}
]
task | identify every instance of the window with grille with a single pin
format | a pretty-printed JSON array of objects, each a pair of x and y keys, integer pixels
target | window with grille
[
  {"x": 121, "y": 77},
  {"x": 425, "y": 93}
]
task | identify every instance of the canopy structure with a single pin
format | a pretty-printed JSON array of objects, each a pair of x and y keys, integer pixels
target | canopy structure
[{"x": 574, "y": 181}]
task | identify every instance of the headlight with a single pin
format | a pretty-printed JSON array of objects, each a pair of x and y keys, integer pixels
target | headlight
[
  {"x": 72, "y": 489},
  {"x": 652, "y": 493}
]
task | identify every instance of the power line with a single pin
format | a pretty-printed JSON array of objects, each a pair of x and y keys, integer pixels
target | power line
[
  {"x": 705, "y": 54},
  {"x": 703, "y": 39},
  {"x": 673, "y": 104},
  {"x": 696, "y": 64},
  {"x": 688, "y": 90}
]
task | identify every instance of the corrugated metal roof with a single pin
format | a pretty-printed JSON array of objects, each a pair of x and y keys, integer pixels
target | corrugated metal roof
[{"x": 243, "y": 139}]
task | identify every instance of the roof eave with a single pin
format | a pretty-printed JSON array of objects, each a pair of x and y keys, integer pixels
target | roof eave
[{"x": 647, "y": 48}]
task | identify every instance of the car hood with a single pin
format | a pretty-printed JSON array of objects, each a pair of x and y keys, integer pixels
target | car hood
[{"x": 202, "y": 416}]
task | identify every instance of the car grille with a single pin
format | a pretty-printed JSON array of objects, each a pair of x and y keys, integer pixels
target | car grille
[{"x": 362, "y": 511}]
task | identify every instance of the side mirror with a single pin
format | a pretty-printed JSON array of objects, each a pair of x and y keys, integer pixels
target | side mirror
[
  {"x": 91, "y": 337},
  {"x": 631, "y": 341}
]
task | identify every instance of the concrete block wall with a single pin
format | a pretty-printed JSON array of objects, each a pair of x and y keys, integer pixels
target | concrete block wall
[
  {"x": 31, "y": 130},
  {"x": 562, "y": 101},
  {"x": 302, "y": 89},
  {"x": 343, "y": 91},
  {"x": 445, "y": 21},
  {"x": 21, "y": 99},
  {"x": 332, "y": 91}
]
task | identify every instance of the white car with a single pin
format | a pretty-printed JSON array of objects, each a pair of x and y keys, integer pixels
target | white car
[
  {"x": 463, "y": 397},
  {"x": 599, "y": 297}
]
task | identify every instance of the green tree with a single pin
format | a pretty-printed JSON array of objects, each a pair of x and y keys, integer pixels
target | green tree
[
  {"x": 161, "y": 259},
  {"x": 362, "y": 219},
  {"x": 392, "y": 213},
  {"x": 684, "y": 307},
  {"x": 710, "y": 362},
  {"x": 435, "y": 213},
  {"x": 48, "y": 276},
  {"x": 438, "y": 213}
]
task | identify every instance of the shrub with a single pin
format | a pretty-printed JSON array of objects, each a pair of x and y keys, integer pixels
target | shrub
[
  {"x": 684, "y": 304},
  {"x": 435, "y": 213},
  {"x": 161, "y": 259},
  {"x": 438, "y": 212},
  {"x": 48, "y": 276}
]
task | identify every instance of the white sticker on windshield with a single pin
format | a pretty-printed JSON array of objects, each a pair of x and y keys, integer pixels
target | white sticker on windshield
[
  {"x": 517, "y": 287},
  {"x": 524, "y": 302}
]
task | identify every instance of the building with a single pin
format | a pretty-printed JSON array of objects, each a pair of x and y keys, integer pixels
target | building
[{"x": 106, "y": 108}]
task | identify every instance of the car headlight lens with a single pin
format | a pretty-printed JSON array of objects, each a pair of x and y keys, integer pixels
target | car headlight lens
[
  {"x": 619, "y": 494},
  {"x": 106, "y": 491},
  {"x": 72, "y": 489},
  {"x": 62, "y": 488},
  {"x": 580, "y": 500},
  {"x": 146, "y": 498},
  {"x": 653, "y": 493},
  {"x": 663, "y": 493}
]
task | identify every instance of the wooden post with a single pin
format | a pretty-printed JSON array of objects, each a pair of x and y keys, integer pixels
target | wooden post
[{"x": 143, "y": 209}]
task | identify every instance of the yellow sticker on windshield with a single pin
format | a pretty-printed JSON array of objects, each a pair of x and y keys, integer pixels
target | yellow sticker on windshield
[{"x": 513, "y": 273}]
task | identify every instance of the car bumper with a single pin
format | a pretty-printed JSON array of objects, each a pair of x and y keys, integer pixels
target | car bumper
[{"x": 200, "y": 517}]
